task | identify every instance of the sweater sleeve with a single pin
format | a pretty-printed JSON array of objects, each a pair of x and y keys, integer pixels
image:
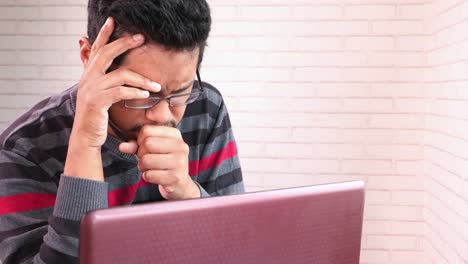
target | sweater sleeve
[
  {"x": 219, "y": 165},
  {"x": 39, "y": 219}
]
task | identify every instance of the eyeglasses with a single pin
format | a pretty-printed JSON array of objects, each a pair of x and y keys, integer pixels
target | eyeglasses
[{"x": 173, "y": 100}]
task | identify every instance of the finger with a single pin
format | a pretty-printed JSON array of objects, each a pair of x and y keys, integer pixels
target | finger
[
  {"x": 160, "y": 177},
  {"x": 158, "y": 131},
  {"x": 102, "y": 37},
  {"x": 105, "y": 55},
  {"x": 159, "y": 145},
  {"x": 130, "y": 147},
  {"x": 122, "y": 77},
  {"x": 120, "y": 93},
  {"x": 160, "y": 162}
]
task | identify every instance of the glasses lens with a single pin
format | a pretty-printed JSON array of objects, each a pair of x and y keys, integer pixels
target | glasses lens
[
  {"x": 141, "y": 103},
  {"x": 185, "y": 99}
]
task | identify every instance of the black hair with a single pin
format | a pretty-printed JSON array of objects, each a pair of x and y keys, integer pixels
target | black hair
[{"x": 180, "y": 25}]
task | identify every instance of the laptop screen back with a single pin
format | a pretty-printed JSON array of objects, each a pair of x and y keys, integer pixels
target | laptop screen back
[{"x": 314, "y": 224}]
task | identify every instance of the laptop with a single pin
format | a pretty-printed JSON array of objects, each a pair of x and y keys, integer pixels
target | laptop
[{"x": 313, "y": 224}]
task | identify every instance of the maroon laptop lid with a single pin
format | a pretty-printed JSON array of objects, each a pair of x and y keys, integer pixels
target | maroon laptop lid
[{"x": 314, "y": 224}]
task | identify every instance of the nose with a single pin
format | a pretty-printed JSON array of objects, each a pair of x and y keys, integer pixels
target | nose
[{"x": 160, "y": 113}]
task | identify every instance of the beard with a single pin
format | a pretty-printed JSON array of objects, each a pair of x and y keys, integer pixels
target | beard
[
  {"x": 138, "y": 127},
  {"x": 133, "y": 133}
]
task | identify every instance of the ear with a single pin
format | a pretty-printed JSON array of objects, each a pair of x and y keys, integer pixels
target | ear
[{"x": 85, "y": 51}]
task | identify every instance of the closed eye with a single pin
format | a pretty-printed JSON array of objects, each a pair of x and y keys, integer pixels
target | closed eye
[{"x": 183, "y": 89}]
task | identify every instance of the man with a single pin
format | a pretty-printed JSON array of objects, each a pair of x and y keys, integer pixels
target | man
[{"x": 138, "y": 127}]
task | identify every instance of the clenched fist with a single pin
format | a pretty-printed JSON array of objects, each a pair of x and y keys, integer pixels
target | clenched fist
[{"x": 163, "y": 160}]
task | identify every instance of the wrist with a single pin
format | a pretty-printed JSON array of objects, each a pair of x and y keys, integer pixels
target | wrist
[
  {"x": 195, "y": 191},
  {"x": 84, "y": 162},
  {"x": 81, "y": 138},
  {"x": 78, "y": 144}
]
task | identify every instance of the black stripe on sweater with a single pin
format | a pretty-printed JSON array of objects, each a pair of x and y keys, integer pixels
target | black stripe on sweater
[
  {"x": 212, "y": 88},
  {"x": 206, "y": 136},
  {"x": 52, "y": 256},
  {"x": 21, "y": 230},
  {"x": 16, "y": 171},
  {"x": 201, "y": 107},
  {"x": 25, "y": 252},
  {"x": 38, "y": 128},
  {"x": 39, "y": 155},
  {"x": 229, "y": 179},
  {"x": 223, "y": 181},
  {"x": 65, "y": 227},
  {"x": 118, "y": 167}
]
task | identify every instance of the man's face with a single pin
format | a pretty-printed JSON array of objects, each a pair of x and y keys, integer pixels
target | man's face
[{"x": 173, "y": 70}]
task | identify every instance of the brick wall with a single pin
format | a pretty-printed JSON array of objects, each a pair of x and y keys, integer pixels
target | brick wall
[
  {"x": 38, "y": 51},
  {"x": 445, "y": 149},
  {"x": 319, "y": 91},
  {"x": 326, "y": 91}
]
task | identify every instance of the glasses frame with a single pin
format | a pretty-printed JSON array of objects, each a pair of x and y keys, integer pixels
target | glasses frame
[{"x": 157, "y": 100}]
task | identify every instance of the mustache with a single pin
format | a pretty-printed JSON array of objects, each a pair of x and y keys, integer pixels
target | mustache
[{"x": 138, "y": 127}]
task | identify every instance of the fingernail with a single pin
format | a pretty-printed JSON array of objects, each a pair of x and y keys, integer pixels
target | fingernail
[
  {"x": 144, "y": 93},
  {"x": 138, "y": 37},
  {"x": 156, "y": 86},
  {"x": 107, "y": 21}
]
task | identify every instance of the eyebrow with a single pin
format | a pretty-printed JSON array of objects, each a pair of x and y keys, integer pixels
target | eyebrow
[
  {"x": 183, "y": 88},
  {"x": 176, "y": 91}
]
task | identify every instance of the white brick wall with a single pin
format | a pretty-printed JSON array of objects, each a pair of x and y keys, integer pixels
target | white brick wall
[
  {"x": 446, "y": 158},
  {"x": 319, "y": 91},
  {"x": 38, "y": 51}
]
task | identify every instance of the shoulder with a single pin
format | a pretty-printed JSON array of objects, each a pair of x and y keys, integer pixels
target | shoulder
[
  {"x": 45, "y": 125},
  {"x": 201, "y": 117},
  {"x": 209, "y": 104},
  {"x": 213, "y": 94}
]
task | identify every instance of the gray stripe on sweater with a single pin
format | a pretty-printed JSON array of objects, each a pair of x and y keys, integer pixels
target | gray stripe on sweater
[
  {"x": 235, "y": 188},
  {"x": 194, "y": 123},
  {"x": 12, "y": 221},
  {"x": 7, "y": 156},
  {"x": 218, "y": 143},
  {"x": 19, "y": 186},
  {"x": 38, "y": 260},
  {"x": 213, "y": 96},
  {"x": 226, "y": 167},
  {"x": 52, "y": 166},
  {"x": 123, "y": 179},
  {"x": 45, "y": 141},
  {"x": 61, "y": 243}
]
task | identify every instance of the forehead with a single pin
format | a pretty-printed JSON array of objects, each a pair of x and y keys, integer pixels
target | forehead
[{"x": 163, "y": 65}]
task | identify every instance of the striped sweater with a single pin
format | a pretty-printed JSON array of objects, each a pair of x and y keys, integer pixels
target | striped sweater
[{"x": 40, "y": 208}]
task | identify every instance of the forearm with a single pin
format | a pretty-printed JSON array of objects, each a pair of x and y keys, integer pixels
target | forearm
[
  {"x": 84, "y": 162},
  {"x": 75, "y": 197}
]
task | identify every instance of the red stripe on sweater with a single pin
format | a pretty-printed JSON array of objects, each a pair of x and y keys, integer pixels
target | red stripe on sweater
[
  {"x": 124, "y": 195},
  {"x": 127, "y": 194},
  {"x": 213, "y": 160},
  {"x": 25, "y": 202}
]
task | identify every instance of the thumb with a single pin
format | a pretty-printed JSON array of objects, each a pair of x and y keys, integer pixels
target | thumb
[{"x": 130, "y": 147}]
